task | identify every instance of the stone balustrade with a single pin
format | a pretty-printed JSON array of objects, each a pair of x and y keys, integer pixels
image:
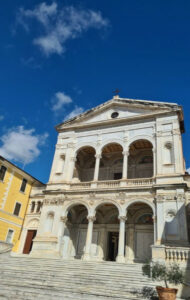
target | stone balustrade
[
  {"x": 80, "y": 185},
  {"x": 113, "y": 183},
  {"x": 140, "y": 181},
  {"x": 177, "y": 254},
  {"x": 108, "y": 184}
]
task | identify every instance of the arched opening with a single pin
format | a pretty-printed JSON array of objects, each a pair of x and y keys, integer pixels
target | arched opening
[
  {"x": 84, "y": 165},
  {"x": 74, "y": 238},
  {"x": 111, "y": 163},
  {"x": 140, "y": 232},
  {"x": 106, "y": 232},
  {"x": 140, "y": 160}
]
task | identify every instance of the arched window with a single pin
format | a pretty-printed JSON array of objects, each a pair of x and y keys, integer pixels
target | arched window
[
  {"x": 111, "y": 163},
  {"x": 84, "y": 165},
  {"x": 140, "y": 159},
  {"x": 49, "y": 222}
]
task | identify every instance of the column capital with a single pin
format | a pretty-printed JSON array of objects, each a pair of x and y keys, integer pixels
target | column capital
[
  {"x": 91, "y": 218},
  {"x": 125, "y": 152},
  {"x": 63, "y": 219},
  {"x": 122, "y": 218},
  {"x": 154, "y": 218},
  {"x": 154, "y": 150},
  {"x": 98, "y": 155}
]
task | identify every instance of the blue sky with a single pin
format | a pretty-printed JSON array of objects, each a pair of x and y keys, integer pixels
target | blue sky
[{"x": 58, "y": 58}]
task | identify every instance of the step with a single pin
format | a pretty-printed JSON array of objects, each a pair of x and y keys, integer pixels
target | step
[{"x": 30, "y": 278}]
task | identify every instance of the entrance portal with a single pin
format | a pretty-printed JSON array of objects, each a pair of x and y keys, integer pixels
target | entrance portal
[
  {"x": 29, "y": 241},
  {"x": 113, "y": 238}
]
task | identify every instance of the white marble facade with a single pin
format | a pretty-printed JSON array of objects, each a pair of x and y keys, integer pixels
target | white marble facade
[{"x": 117, "y": 188}]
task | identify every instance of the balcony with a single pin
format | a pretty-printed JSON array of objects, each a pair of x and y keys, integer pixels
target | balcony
[{"x": 113, "y": 184}]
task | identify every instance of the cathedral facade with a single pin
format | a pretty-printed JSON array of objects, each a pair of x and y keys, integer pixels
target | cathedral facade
[{"x": 118, "y": 190}]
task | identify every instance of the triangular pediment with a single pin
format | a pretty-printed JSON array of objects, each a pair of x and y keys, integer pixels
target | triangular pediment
[{"x": 119, "y": 109}]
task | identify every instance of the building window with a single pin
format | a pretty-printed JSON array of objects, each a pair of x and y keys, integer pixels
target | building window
[
  {"x": 38, "y": 207},
  {"x": 114, "y": 115},
  {"x": 23, "y": 185},
  {"x": 17, "y": 209},
  {"x": 9, "y": 236},
  {"x": 32, "y": 206},
  {"x": 2, "y": 172}
]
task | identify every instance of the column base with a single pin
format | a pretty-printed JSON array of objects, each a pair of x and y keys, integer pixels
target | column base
[
  {"x": 120, "y": 259},
  {"x": 86, "y": 257}
]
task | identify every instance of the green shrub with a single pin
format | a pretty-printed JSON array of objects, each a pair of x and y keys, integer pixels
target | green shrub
[{"x": 161, "y": 272}]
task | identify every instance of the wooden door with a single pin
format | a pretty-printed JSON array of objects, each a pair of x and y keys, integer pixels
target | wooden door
[{"x": 29, "y": 241}]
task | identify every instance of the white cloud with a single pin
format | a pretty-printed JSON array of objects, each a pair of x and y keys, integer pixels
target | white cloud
[
  {"x": 41, "y": 12},
  {"x": 76, "y": 111},
  {"x": 1, "y": 117},
  {"x": 60, "y": 25},
  {"x": 21, "y": 145},
  {"x": 59, "y": 100}
]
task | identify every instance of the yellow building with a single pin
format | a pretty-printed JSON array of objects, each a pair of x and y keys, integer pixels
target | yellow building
[{"x": 15, "y": 187}]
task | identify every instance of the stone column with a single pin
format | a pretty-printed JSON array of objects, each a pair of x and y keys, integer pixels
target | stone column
[
  {"x": 61, "y": 230},
  {"x": 97, "y": 165},
  {"x": 91, "y": 220},
  {"x": 121, "y": 248},
  {"x": 154, "y": 162},
  {"x": 125, "y": 164}
]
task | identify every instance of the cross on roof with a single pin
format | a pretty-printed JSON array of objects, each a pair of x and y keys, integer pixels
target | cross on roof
[{"x": 116, "y": 92}]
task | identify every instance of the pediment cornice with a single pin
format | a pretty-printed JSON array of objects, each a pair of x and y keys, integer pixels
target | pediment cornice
[
  {"x": 77, "y": 125},
  {"x": 147, "y": 108}
]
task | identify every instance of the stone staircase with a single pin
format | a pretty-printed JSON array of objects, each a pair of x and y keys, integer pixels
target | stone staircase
[{"x": 24, "y": 278}]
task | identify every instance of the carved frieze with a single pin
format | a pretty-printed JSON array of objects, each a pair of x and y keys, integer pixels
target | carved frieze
[
  {"x": 56, "y": 200},
  {"x": 170, "y": 197},
  {"x": 180, "y": 197}
]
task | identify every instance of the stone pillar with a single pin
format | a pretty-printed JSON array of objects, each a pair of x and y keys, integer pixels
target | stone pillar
[
  {"x": 61, "y": 229},
  {"x": 101, "y": 243},
  {"x": 22, "y": 240},
  {"x": 97, "y": 165},
  {"x": 121, "y": 248},
  {"x": 160, "y": 222},
  {"x": 71, "y": 167},
  {"x": 154, "y": 162},
  {"x": 87, "y": 253},
  {"x": 155, "y": 229},
  {"x": 130, "y": 255},
  {"x": 125, "y": 164}
]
